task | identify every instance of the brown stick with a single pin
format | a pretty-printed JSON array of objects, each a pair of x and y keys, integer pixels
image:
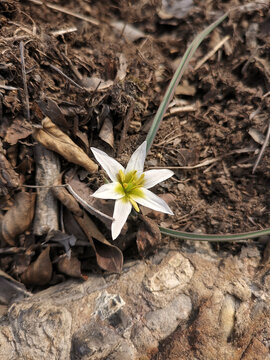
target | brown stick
[{"x": 24, "y": 81}]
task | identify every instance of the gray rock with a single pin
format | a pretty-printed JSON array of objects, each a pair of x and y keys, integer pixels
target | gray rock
[{"x": 197, "y": 294}]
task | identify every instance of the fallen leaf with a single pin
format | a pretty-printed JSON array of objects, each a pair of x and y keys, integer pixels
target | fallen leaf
[
  {"x": 256, "y": 135},
  {"x": 66, "y": 198},
  {"x": 109, "y": 257},
  {"x": 95, "y": 83},
  {"x": 106, "y": 132},
  {"x": 101, "y": 209},
  {"x": 70, "y": 267},
  {"x": 8, "y": 177},
  {"x": 19, "y": 217},
  {"x": 40, "y": 271},
  {"x": 56, "y": 140},
  {"x": 19, "y": 129},
  {"x": 148, "y": 236},
  {"x": 51, "y": 109},
  {"x": 82, "y": 139},
  {"x": 72, "y": 227}
]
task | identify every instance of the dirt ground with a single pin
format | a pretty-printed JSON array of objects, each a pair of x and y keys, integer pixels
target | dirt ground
[{"x": 98, "y": 71}]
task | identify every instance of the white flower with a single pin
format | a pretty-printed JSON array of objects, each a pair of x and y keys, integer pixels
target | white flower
[{"x": 130, "y": 186}]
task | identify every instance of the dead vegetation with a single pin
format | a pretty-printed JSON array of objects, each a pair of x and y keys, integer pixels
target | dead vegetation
[{"x": 88, "y": 74}]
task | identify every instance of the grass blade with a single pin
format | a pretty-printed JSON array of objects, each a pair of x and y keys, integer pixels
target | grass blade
[{"x": 177, "y": 77}]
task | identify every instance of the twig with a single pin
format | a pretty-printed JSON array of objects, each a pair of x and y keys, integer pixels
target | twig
[
  {"x": 6, "y": 87},
  {"x": 24, "y": 81},
  {"x": 212, "y": 52},
  {"x": 179, "y": 110},
  {"x": 12, "y": 250},
  {"x": 68, "y": 78},
  {"x": 266, "y": 94},
  {"x": 262, "y": 149},
  {"x": 43, "y": 186},
  {"x": 66, "y": 11},
  {"x": 63, "y": 31},
  {"x": 167, "y": 141},
  {"x": 205, "y": 162}
]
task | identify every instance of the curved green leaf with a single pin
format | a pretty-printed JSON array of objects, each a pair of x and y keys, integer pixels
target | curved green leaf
[{"x": 214, "y": 238}]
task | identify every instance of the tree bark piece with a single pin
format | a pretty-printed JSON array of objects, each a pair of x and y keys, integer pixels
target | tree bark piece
[{"x": 47, "y": 171}]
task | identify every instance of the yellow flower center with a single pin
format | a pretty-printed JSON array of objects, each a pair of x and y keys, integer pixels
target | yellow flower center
[{"x": 129, "y": 185}]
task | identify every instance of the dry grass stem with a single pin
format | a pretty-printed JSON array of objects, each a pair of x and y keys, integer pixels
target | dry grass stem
[
  {"x": 262, "y": 149},
  {"x": 212, "y": 52}
]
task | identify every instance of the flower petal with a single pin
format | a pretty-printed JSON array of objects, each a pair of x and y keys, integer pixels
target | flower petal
[
  {"x": 153, "y": 177},
  {"x": 136, "y": 162},
  {"x": 108, "y": 191},
  {"x": 153, "y": 201},
  {"x": 121, "y": 211},
  {"x": 110, "y": 165}
]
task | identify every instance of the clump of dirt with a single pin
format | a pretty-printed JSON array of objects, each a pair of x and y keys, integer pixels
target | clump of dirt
[{"x": 98, "y": 73}]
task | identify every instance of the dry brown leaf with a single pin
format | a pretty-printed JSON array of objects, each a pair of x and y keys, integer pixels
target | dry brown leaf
[
  {"x": 256, "y": 135},
  {"x": 148, "y": 236},
  {"x": 84, "y": 191},
  {"x": 72, "y": 227},
  {"x": 109, "y": 257},
  {"x": 82, "y": 139},
  {"x": 51, "y": 109},
  {"x": 95, "y": 83},
  {"x": 19, "y": 217},
  {"x": 19, "y": 129},
  {"x": 40, "y": 271},
  {"x": 8, "y": 177},
  {"x": 70, "y": 267},
  {"x": 54, "y": 139},
  {"x": 66, "y": 198},
  {"x": 106, "y": 132}
]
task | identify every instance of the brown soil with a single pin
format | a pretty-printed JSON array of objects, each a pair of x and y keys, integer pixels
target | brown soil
[{"x": 223, "y": 105}]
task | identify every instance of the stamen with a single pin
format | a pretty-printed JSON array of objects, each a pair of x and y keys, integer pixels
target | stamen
[
  {"x": 121, "y": 176},
  {"x": 140, "y": 181},
  {"x": 134, "y": 204}
]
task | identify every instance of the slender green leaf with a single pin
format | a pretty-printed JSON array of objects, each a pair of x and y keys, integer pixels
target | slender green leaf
[
  {"x": 177, "y": 77},
  {"x": 215, "y": 238}
]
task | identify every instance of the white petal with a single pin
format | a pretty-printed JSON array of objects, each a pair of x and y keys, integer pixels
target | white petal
[
  {"x": 107, "y": 191},
  {"x": 121, "y": 211},
  {"x": 110, "y": 165},
  {"x": 153, "y": 177},
  {"x": 136, "y": 162},
  {"x": 153, "y": 201}
]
